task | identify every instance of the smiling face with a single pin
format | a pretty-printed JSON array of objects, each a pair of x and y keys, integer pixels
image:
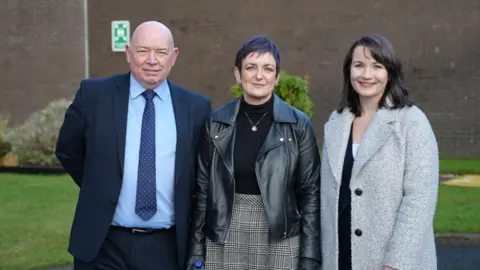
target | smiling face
[
  {"x": 258, "y": 77},
  {"x": 151, "y": 54},
  {"x": 368, "y": 77}
]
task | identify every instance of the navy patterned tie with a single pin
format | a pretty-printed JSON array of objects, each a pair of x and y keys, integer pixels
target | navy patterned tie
[{"x": 146, "y": 204}]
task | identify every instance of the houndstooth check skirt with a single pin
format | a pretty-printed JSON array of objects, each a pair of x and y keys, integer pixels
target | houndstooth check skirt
[{"x": 248, "y": 246}]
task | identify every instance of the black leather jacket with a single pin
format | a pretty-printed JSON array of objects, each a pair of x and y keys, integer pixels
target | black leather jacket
[{"x": 288, "y": 172}]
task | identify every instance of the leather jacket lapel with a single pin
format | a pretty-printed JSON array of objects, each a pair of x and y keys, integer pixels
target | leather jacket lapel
[
  {"x": 224, "y": 136},
  {"x": 224, "y": 142},
  {"x": 273, "y": 139}
]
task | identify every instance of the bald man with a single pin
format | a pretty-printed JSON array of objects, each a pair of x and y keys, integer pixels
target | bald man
[{"x": 130, "y": 142}]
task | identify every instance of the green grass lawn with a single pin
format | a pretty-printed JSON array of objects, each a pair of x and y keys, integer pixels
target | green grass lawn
[
  {"x": 458, "y": 210},
  {"x": 36, "y": 214}
]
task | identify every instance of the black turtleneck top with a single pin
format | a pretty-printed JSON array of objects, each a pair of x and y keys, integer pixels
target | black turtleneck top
[{"x": 248, "y": 143}]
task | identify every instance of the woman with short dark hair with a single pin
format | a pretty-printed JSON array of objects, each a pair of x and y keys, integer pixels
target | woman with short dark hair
[
  {"x": 257, "y": 190},
  {"x": 380, "y": 169}
]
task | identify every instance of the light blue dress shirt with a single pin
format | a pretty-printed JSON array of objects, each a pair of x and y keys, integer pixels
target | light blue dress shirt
[{"x": 165, "y": 145}]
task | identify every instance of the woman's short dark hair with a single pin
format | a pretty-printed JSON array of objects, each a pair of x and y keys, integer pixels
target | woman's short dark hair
[
  {"x": 395, "y": 95},
  {"x": 258, "y": 44}
]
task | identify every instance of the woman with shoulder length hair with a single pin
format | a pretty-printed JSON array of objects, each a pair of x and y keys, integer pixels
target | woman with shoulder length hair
[
  {"x": 257, "y": 189},
  {"x": 380, "y": 169}
]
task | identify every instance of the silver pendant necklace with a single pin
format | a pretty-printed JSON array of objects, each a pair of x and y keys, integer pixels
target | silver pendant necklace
[{"x": 254, "y": 127}]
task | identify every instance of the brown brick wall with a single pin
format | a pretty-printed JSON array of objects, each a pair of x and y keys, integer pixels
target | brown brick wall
[
  {"x": 42, "y": 53},
  {"x": 437, "y": 40}
]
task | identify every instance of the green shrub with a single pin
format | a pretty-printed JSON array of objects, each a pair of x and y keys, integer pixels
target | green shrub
[
  {"x": 292, "y": 89},
  {"x": 34, "y": 141},
  {"x": 5, "y": 146}
]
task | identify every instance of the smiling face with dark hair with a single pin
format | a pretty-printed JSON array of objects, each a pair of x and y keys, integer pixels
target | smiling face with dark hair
[
  {"x": 372, "y": 70},
  {"x": 367, "y": 76}
]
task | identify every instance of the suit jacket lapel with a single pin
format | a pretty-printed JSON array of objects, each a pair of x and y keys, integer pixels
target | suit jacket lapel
[
  {"x": 182, "y": 122},
  {"x": 337, "y": 131},
  {"x": 374, "y": 138},
  {"x": 120, "y": 110}
]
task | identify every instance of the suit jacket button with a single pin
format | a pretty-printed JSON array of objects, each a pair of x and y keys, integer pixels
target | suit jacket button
[
  {"x": 359, "y": 192},
  {"x": 358, "y": 232}
]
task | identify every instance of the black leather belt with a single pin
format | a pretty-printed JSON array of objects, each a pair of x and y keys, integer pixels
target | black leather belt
[{"x": 141, "y": 230}]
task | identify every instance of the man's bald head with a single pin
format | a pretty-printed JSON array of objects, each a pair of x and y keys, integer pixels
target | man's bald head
[
  {"x": 152, "y": 28},
  {"x": 151, "y": 53}
]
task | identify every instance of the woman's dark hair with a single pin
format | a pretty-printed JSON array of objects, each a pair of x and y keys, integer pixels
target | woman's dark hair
[
  {"x": 258, "y": 44},
  {"x": 395, "y": 95}
]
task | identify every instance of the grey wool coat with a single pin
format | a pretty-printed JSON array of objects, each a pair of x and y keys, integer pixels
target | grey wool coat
[{"x": 397, "y": 168}]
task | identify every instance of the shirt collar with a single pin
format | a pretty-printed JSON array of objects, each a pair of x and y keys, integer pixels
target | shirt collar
[{"x": 162, "y": 90}]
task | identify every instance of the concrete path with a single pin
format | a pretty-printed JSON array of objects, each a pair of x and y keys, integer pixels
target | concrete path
[
  {"x": 458, "y": 257},
  {"x": 454, "y": 252}
]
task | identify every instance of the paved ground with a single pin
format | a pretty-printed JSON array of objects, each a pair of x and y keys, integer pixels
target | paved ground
[
  {"x": 465, "y": 256},
  {"x": 458, "y": 257}
]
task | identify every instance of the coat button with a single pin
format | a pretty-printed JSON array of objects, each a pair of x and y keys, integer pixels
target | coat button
[
  {"x": 358, "y": 232},
  {"x": 359, "y": 192}
]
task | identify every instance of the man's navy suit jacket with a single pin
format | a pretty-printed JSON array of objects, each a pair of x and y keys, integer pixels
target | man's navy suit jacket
[{"x": 91, "y": 148}]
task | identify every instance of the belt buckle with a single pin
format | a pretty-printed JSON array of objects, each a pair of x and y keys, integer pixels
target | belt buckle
[{"x": 135, "y": 231}]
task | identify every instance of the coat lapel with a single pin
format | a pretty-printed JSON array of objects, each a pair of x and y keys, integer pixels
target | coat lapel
[
  {"x": 224, "y": 139},
  {"x": 337, "y": 131},
  {"x": 182, "y": 122},
  {"x": 120, "y": 110},
  {"x": 224, "y": 142},
  {"x": 282, "y": 113},
  {"x": 374, "y": 138},
  {"x": 273, "y": 139}
]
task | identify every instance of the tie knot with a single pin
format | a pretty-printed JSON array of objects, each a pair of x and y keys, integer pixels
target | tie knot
[{"x": 149, "y": 94}]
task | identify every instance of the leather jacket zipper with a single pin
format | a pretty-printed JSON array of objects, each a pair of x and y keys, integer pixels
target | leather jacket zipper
[
  {"x": 231, "y": 212},
  {"x": 263, "y": 199},
  {"x": 285, "y": 204},
  {"x": 233, "y": 179},
  {"x": 265, "y": 205}
]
